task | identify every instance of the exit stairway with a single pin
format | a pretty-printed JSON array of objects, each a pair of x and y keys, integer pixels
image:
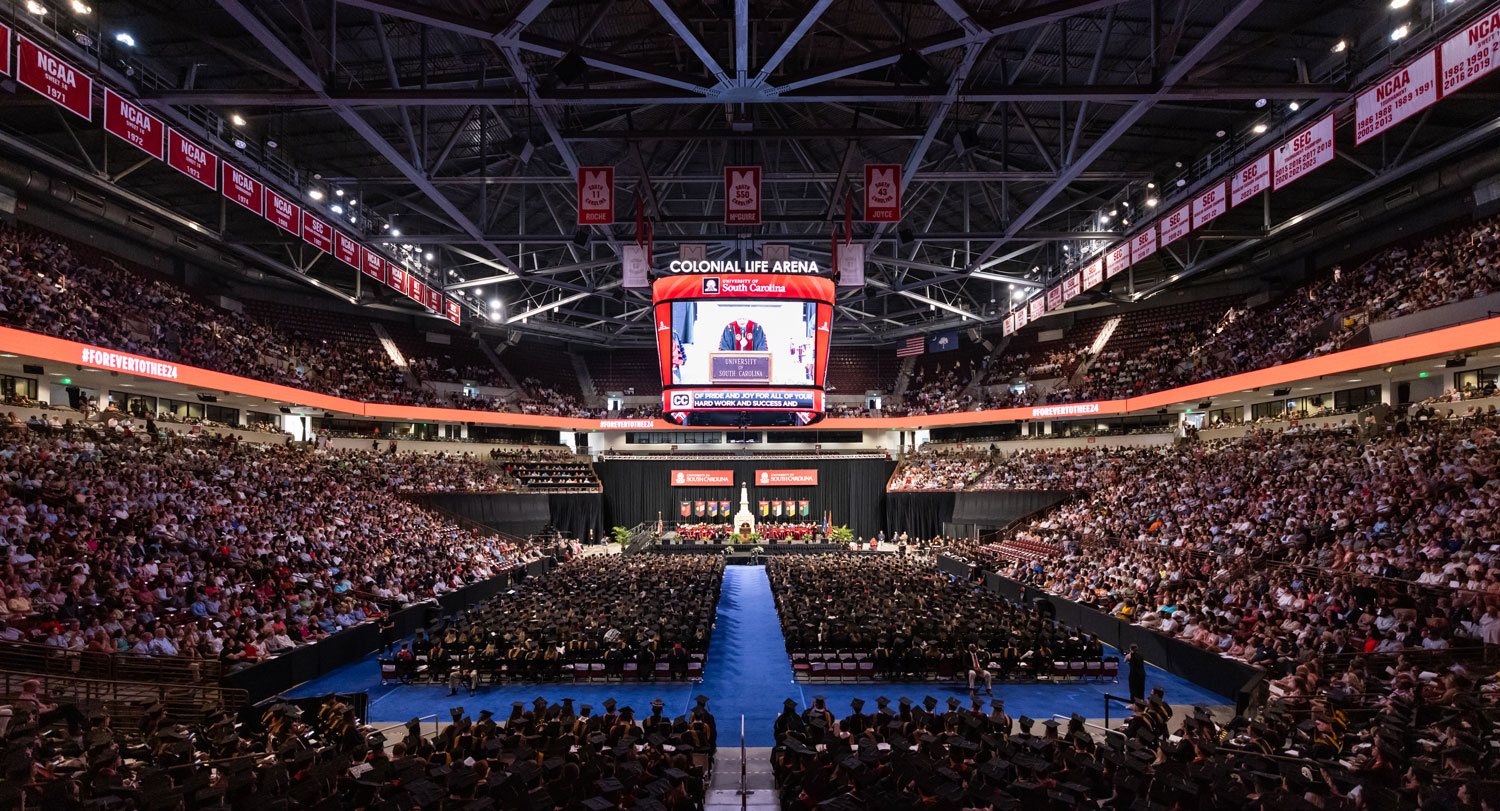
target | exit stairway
[{"x": 726, "y": 790}]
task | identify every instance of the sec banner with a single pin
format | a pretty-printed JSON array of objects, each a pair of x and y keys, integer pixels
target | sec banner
[
  {"x": 1176, "y": 225},
  {"x": 283, "y": 213},
  {"x": 1072, "y": 286},
  {"x": 742, "y": 195},
  {"x": 1093, "y": 273},
  {"x": 317, "y": 233},
  {"x": 882, "y": 192},
  {"x": 1306, "y": 151},
  {"x": 133, "y": 125},
  {"x": 1251, "y": 180},
  {"x": 1471, "y": 53},
  {"x": 596, "y": 195},
  {"x": 1143, "y": 244},
  {"x": 451, "y": 310},
  {"x": 1398, "y": 97},
  {"x": 1209, "y": 206},
  {"x": 1036, "y": 309},
  {"x": 1116, "y": 260},
  {"x": 193, "y": 160},
  {"x": 244, "y": 189},
  {"x": 62, "y": 84}
]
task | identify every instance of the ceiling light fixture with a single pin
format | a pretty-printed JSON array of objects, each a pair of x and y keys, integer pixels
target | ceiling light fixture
[
  {"x": 125, "y": 39},
  {"x": 1294, "y": 106},
  {"x": 316, "y": 194},
  {"x": 80, "y": 7},
  {"x": 1151, "y": 202},
  {"x": 237, "y": 119},
  {"x": 36, "y": 8},
  {"x": 1400, "y": 33},
  {"x": 1259, "y": 128},
  {"x": 1340, "y": 46}
]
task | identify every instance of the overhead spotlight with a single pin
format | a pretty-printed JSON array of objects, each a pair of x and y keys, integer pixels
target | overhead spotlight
[
  {"x": 316, "y": 194},
  {"x": 317, "y": 175},
  {"x": 237, "y": 119},
  {"x": 1104, "y": 218},
  {"x": 1151, "y": 202},
  {"x": 1179, "y": 164},
  {"x": 1150, "y": 185},
  {"x": 338, "y": 192},
  {"x": 83, "y": 39},
  {"x": 80, "y": 7},
  {"x": 427, "y": 256},
  {"x": 1400, "y": 3},
  {"x": 125, "y": 39},
  {"x": 387, "y": 226},
  {"x": 1259, "y": 128},
  {"x": 396, "y": 232},
  {"x": 1181, "y": 183},
  {"x": 1294, "y": 106},
  {"x": 271, "y": 143},
  {"x": 1125, "y": 203},
  {"x": 336, "y": 208},
  {"x": 1340, "y": 46},
  {"x": 1220, "y": 134},
  {"x": 239, "y": 143},
  {"x": 352, "y": 219},
  {"x": 1400, "y": 33},
  {"x": 1114, "y": 212},
  {"x": 1124, "y": 222},
  {"x": 36, "y": 8},
  {"x": 495, "y": 304}
]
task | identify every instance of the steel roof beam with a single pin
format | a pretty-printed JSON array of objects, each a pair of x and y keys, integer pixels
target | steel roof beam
[
  {"x": 792, "y": 38},
  {"x": 688, "y": 38}
]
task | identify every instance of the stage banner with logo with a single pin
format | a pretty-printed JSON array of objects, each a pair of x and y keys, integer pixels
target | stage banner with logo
[
  {"x": 742, "y": 195},
  {"x": 699, "y": 508},
  {"x": 1469, "y": 54},
  {"x": 765, "y": 509},
  {"x": 283, "y": 213},
  {"x": 1176, "y": 225},
  {"x": 776, "y": 508},
  {"x": 62, "y": 84},
  {"x": 1398, "y": 97},
  {"x": 724, "y": 508},
  {"x": 193, "y": 160},
  {"x": 802, "y": 507},
  {"x": 1251, "y": 180},
  {"x": 882, "y": 192},
  {"x": 713, "y": 509},
  {"x": 1209, "y": 205},
  {"x": 133, "y": 125},
  {"x": 596, "y": 195},
  {"x": 1304, "y": 152},
  {"x": 782, "y": 478},
  {"x": 243, "y": 189},
  {"x": 702, "y": 478},
  {"x": 686, "y": 508}
]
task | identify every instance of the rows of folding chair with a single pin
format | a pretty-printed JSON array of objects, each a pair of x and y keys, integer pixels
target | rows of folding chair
[
  {"x": 423, "y": 671},
  {"x": 841, "y": 666}
]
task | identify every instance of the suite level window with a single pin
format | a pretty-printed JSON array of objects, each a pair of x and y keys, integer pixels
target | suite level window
[
  {"x": 674, "y": 437},
  {"x": 17, "y": 387}
]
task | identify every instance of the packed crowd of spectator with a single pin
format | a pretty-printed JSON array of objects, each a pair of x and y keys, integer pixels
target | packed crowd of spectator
[
  {"x": 543, "y": 470},
  {"x": 940, "y": 469},
  {"x": 212, "y": 548}
]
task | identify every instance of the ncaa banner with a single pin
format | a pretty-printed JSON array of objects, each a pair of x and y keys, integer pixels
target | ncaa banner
[
  {"x": 451, "y": 310},
  {"x": 1209, "y": 205},
  {"x": 1306, "y": 151},
  {"x": 1398, "y": 97},
  {"x": 1023, "y": 316},
  {"x": 742, "y": 195},
  {"x": 373, "y": 265},
  {"x": 346, "y": 250},
  {"x": 1251, "y": 180},
  {"x": 1176, "y": 225},
  {"x": 1054, "y": 297},
  {"x": 62, "y": 84},
  {"x": 244, "y": 190},
  {"x": 193, "y": 160},
  {"x": 1036, "y": 309},
  {"x": 686, "y": 508},
  {"x": 596, "y": 195},
  {"x": 4, "y": 49},
  {"x": 133, "y": 125},
  {"x": 699, "y": 508},
  {"x": 765, "y": 509},
  {"x": 1469, "y": 54},
  {"x": 395, "y": 277},
  {"x": 882, "y": 192},
  {"x": 283, "y": 213},
  {"x": 1009, "y": 325}
]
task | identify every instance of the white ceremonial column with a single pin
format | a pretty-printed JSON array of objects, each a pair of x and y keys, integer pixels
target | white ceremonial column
[{"x": 744, "y": 516}]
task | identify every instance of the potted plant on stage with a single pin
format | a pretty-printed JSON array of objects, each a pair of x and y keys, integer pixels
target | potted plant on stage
[{"x": 757, "y": 551}]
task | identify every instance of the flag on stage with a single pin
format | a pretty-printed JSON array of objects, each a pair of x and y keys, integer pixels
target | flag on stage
[
  {"x": 698, "y": 508},
  {"x": 687, "y": 509},
  {"x": 724, "y": 508},
  {"x": 765, "y": 508},
  {"x": 713, "y": 509},
  {"x": 802, "y": 508},
  {"x": 776, "y": 507}
]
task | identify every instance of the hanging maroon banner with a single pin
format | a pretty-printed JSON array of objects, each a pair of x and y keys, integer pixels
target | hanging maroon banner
[
  {"x": 283, "y": 213},
  {"x": 346, "y": 250},
  {"x": 395, "y": 277},
  {"x": 882, "y": 192},
  {"x": 62, "y": 84},
  {"x": 317, "y": 233},
  {"x": 596, "y": 195},
  {"x": 193, "y": 160},
  {"x": 133, "y": 125},
  {"x": 1036, "y": 309},
  {"x": 1093, "y": 273},
  {"x": 1176, "y": 225},
  {"x": 243, "y": 189},
  {"x": 1251, "y": 180},
  {"x": 434, "y": 300},
  {"x": 1116, "y": 260},
  {"x": 373, "y": 265},
  {"x": 451, "y": 310},
  {"x": 1072, "y": 286},
  {"x": 4, "y": 49},
  {"x": 415, "y": 290},
  {"x": 1143, "y": 244},
  {"x": 742, "y": 195}
]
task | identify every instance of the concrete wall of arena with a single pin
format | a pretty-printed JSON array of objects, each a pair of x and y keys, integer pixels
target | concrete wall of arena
[
  {"x": 1042, "y": 443},
  {"x": 614, "y": 441},
  {"x": 1459, "y": 312},
  {"x": 851, "y": 490},
  {"x": 1234, "y": 680}
]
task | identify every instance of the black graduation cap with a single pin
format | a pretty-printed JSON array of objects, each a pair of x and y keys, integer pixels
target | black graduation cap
[
  {"x": 609, "y": 704},
  {"x": 702, "y": 701},
  {"x": 649, "y": 804},
  {"x": 929, "y": 702},
  {"x": 790, "y": 704},
  {"x": 598, "y": 804},
  {"x": 857, "y": 703},
  {"x": 851, "y": 763},
  {"x": 609, "y": 785}
]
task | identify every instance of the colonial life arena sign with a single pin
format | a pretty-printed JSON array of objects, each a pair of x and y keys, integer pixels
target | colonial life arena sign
[
  {"x": 736, "y": 266},
  {"x": 702, "y": 478}
]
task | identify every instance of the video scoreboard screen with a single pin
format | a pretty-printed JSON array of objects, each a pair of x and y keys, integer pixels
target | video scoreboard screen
[{"x": 743, "y": 348}]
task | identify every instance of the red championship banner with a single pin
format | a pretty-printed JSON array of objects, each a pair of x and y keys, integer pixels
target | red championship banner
[
  {"x": 1471, "y": 53},
  {"x": 1008, "y": 325},
  {"x": 1036, "y": 309},
  {"x": 1093, "y": 273},
  {"x": 775, "y": 478},
  {"x": 134, "y": 126},
  {"x": 193, "y": 160},
  {"x": 283, "y": 213},
  {"x": 4, "y": 49},
  {"x": 395, "y": 277},
  {"x": 1306, "y": 151},
  {"x": 596, "y": 195},
  {"x": 1072, "y": 286},
  {"x": 1176, "y": 225},
  {"x": 415, "y": 289},
  {"x": 1143, "y": 244},
  {"x": 1253, "y": 179},
  {"x": 1117, "y": 259},
  {"x": 372, "y": 265},
  {"x": 62, "y": 84},
  {"x": 882, "y": 192},
  {"x": 1023, "y": 316},
  {"x": 1398, "y": 97},
  {"x": 434, "y": 299},
  {"x": 244, "y": 189},
  {"x": 1054, "y": 297},
  {"x": 317, "y": 233},
  {"x": 742, "y": 195},
  {"x": 702, "y": 478},
  {"x": 346, "y": 250},
  {"x": 1210, "y": 205},
  {"x": 451, "y": 310}
]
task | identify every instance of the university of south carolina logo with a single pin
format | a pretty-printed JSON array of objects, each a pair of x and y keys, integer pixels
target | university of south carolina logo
[
  {"x": 710, "y": 286},
  {"x": 680, "y": 479}
]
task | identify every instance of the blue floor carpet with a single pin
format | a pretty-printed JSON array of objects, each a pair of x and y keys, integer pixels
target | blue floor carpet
[{"x": 747, "y": 674}]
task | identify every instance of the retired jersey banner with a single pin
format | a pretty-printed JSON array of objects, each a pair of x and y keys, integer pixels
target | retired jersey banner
[
  {"x": 1472, "y": 52},
  {"x": 1036, "y": 309},
  {"x": 134, "y": 126},
  {"x": 283, "y": 213},
  {"x": 1143, "y": 244},
  {"x": 317, "y": 233},
  {"x": 373, "y": 265},
  {"x": 1306, "y": 151},
  {"x": 1398, "y": 97},
  {"x": 1253, "y": 179},
  {"x": 1072, "y": 286},
  {"x": 62, "y": 84},
  {"x": 193, "y": 160},
  {"x": 882, "y": 192},
  {"x": 452, "y": 311},
  {"x": 596, "y": 195},
  {"x": 1210, "y": 205},
  {"x": 1176, "y": 225},
  {"x": 742, "y": 195},
  {"x": 4, "y": 49},
  {"x": 1093, "y": 273},
  {"x": 244, "y": 189},
  {"x": 780, "y": 478},
  {"x": 702, "y": 478},
  {"x": 346, "y": 250},
  {"x": 1116, "y": 260}
]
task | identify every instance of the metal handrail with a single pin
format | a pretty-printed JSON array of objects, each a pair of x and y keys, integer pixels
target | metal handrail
[{"x": 744, "y": 768}]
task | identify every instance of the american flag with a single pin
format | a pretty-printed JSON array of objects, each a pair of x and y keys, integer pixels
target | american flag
[{"x": 914, "y": 345}]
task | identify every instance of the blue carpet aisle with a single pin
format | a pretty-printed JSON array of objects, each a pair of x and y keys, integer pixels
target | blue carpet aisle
[{"x": 747, "y": 673}]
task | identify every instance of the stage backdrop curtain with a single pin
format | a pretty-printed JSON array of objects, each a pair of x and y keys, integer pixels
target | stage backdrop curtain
[
  {"x": 576, "y": 514},
  {"x": 998, "y": 508},
  {"x": 853, "y": 490},
  {"x": 920, "y": 515},
  {"x": 514, "y": 513}
]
